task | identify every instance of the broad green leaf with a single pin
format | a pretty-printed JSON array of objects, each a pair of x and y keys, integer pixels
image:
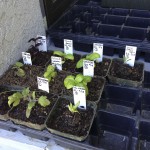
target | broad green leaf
[
  {"x": 79, "y": 78},
  {"x": 69, "y": 83},
  {"x": 31, "y": 105},
  {"x": 28, "y": 112},
  {"x": 18, "y": 64},
  {"x": 54, "y": 74},
  {"x": 43, "y": 101},
  {"x": 50, "y": 69},
  {"x": 80, "y": 84},
  {"x": 16, "y": 103},
  {"x": 80, "y": 63},
  {"x": 86, "y": 90},
  {"x": 70, "y": 77},
  {"x": 59, "y": 53},
  {"x": 33, "y": 95},
  {"x": 20, "y": 72},
  {"x": 93, "y": 56},
  {"x": 87, "y": 79},
  {"x": 69, "y": 56},
  {"x": 46, "y": 74},
  {"x": 25, "y": 92}
]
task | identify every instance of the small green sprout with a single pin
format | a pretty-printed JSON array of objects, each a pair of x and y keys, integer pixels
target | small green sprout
[
  {"x": 29, "y": 96},
  {"x": 78, "y": 80},
  {"x": 91, "y": 57},
  {"x": 125, "y": 59},
  {"x": 73, "y": 108},
  {"x": 50, "y": 73},
  {"x": 19, "y": 71},
  {"x": 64, "y": 56}
]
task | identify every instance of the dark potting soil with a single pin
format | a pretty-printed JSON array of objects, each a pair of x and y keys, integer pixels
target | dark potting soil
[
  {"x": 70, "y": 65},
  {"x": 4, "y": 108},
  {"x": 56, "y": 86},
  {"x": 29, "y": 80},
  {"x": 32, "y": 51},
  {"x": 120, "y": 70},
  {"x": 73, "y": 123},
  {"x": 101, "y": 68},
  {"x": 38, "y": 113},
  {"x": 95, "y": 89},
  {"x": 42, "y": 58}
]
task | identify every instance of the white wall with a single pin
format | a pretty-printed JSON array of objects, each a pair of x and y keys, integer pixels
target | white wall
[{"x": 20, "y": 20}]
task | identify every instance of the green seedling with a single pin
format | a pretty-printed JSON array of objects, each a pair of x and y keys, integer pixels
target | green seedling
[
  {"x": 64, "y": 56},
  {"x": 30, "y": 96},
  {"x": 50, "y": 73},
  {"x": 78, "y": 80},
  {"x": 73, "y": 108},
  {"x": 91, "y": 57},
  {"x": 19, "y": 71},
  {"x": 125, "y": 59}
]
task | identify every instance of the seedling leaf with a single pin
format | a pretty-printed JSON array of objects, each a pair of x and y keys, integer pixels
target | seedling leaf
[
  {"x": 69, "y": 56},
  {"x": 79, "y": 78},
  {"x": 43, "y": 101},
  {"x": 80, "y": 63},
  {"x": 59, "y": 53}
]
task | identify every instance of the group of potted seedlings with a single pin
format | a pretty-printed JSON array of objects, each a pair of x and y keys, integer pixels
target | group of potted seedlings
[{"x": 23, "y": 103}]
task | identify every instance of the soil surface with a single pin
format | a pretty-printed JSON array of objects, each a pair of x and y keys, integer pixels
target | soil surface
[
  {"x": 56, "y": 86},
  {"x": 64, "y": 121},
  {"x": 101, "y": 68},
  {"x": 95, "y": 89},
  {"x": 40, "y": 58},
  {"x": 38, "y": 113},
  {"x": 4, "y": 108},
  {"x": 120, "y": 70},
  {"x": 29, "y": 80},
  {"x": 70, "y": 65}
]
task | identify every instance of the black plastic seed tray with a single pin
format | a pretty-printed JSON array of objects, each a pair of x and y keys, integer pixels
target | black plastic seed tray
[
  {"x": 87, "y": 22},
  {"x": 125, "y": 102}
]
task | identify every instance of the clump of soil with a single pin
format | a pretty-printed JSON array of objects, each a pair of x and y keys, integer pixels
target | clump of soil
[
  {"x": 73, "y": 123},
  {"x": 101, "y": 68},
  {"x": 120, "y": 70},
  {"x": 38, "y": 113},
  {"x": 29, "y": 80},
  {"x": 95, "y": 89},
  {"x": 4, "y": 108}
]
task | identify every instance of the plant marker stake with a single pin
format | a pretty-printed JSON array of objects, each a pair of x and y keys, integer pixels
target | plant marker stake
[
  {"x": 98, "y": 48},
  {"x": 68, "y": 46},
  {"x": 57, "y": 62},
  {"x": 43, "y": 84},
  {"x": 88, "y": 68},
  {"x": 43, "y": 46},
  {"x": 26, "y": 58},
  {"x": 130, "y": 53},
  {"x": 79, "y": 94}
]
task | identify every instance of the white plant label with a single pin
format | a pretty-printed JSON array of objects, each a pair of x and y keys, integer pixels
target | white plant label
[
  {"x": 57, "y": 62},
  {"x": 68, "y": 46},
  {"x": 98, "y": 48},
  {"x": 88, "y": 68},
  {"x": 43, "y": 46},
  {"x": 130, "y": 53},
  {"x": 26, "y": 58},
  {"x": 79, "y": 94},
  {"x": 43, "y": 84}
]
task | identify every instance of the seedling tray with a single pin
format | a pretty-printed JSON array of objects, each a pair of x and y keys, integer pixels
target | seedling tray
[
  {"x": 88, "y": 22},
  {"x": 125, "y": 102}
]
